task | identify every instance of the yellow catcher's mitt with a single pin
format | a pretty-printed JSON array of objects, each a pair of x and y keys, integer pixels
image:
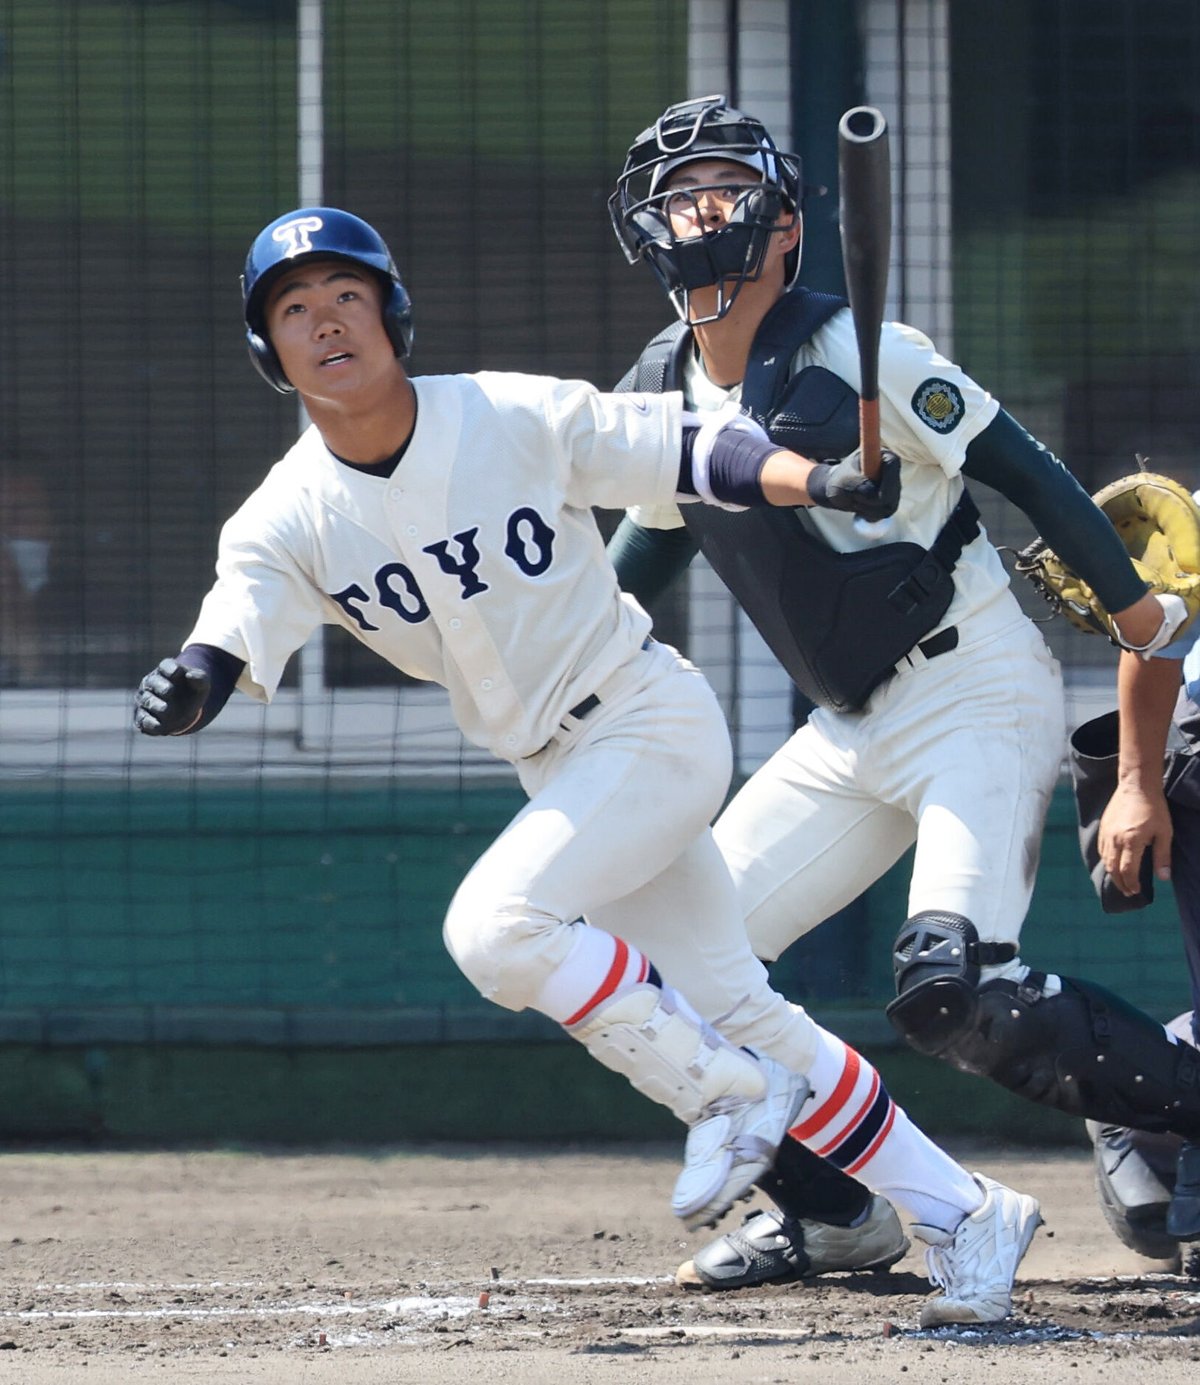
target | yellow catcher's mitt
[{"x": 1159, "y": 524}]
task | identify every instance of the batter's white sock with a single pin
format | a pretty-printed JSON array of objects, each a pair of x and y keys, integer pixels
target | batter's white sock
[
  {"x": 853, "y": 1123},
  {"x": 596, "y": 968}
]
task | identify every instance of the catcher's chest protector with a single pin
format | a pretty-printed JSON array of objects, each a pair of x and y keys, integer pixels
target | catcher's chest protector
[{"x": 837, "y": 622}]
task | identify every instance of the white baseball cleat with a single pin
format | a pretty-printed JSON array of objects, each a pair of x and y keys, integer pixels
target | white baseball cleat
[
  {"x": 976, "y": 1264},
  {"x": 733, "y": 1144},
  {"x": 737, "y": 1105}
]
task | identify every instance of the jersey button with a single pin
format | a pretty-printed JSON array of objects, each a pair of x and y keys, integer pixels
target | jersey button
[
  {"x": 396, "y": 493},
  {"x": 411, "y": 531},
  {"x": 456, "y": 624},
  {"x": 486, "y": 685},
  {"x": 510, "y": 740}
]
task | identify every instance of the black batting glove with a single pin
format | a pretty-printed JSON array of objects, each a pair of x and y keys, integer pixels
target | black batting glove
[
  {"x": 169, "y": 699},
  {"x": 842, "y": 486}
]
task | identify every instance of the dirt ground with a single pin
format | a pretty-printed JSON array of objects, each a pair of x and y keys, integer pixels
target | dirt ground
[{"x": 512, "y": 1265}]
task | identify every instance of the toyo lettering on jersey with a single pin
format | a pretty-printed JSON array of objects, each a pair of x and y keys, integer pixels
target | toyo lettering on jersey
[{"x": 528, "y": 544}]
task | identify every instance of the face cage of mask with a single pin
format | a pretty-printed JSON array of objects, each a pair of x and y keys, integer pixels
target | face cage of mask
[{"x": 725, "y": 258}]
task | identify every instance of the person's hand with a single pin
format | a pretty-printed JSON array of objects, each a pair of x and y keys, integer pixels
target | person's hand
[
  {"x": 1136, "y": 820},
  {"x": 170, "y": 699},
  {"x": 842, "y": 486}
]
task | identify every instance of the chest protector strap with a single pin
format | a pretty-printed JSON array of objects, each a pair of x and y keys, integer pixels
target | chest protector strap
[{"x": 837, "y": 622}]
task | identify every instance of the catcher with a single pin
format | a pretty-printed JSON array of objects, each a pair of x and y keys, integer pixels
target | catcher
[
  {"x": 1137, "y": 790},
  {"x": 938, "y": 716}
]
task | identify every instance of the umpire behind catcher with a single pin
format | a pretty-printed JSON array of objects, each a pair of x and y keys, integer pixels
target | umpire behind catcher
[
  {"x": 939, "y": 716},
  {"x": 1137, "y": 790}
]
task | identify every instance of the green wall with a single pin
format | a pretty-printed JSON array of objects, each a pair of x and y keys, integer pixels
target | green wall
[
  {"x": 268, "y": 965},
  {"x": 222, "y": 1095},
  {"x": 311, "y": 914}
]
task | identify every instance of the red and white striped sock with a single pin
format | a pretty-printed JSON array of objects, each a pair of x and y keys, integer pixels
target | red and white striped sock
[
  {"x": 854, "y": 1123},
  {"x": 597, "y": 967}
]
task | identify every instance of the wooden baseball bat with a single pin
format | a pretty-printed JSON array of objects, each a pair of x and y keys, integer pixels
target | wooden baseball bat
[{"x": 865, "y": 224}]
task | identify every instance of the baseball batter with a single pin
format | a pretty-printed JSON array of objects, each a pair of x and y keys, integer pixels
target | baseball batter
[
  {"x": 938, "y": 714},
  {"x": 446, "y": 523}
]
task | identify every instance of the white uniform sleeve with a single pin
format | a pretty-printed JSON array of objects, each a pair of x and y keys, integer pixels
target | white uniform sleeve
[
  {"x": 1187, "y": 648},
  {"x": 1191, "y": 672},
  {"x": 263, "y": 606},
  {"x": 657, "y": 516},
  {"x": 620, "y": 449},
  {"x": 927, "y": 398},
  {"x": 1178, "y": 649}
]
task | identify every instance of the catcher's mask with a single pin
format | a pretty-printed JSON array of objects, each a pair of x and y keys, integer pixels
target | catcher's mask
[
  {"x": 317, "y": 233},
  {"x": 732, "y": 254}
]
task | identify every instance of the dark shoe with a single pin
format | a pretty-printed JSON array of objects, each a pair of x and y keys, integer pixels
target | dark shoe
[
  {"x": 769, "y": 1248},
  {"x": 1183, "y": 1214},
  {"x": 1134, "y": 1177}
]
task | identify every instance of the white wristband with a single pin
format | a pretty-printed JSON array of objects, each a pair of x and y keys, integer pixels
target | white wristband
[{"x": 1175, "y": 615}]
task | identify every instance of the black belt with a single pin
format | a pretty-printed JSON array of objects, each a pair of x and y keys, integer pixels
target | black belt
[
  {"x": 591, "y": 701},
  {"x": 941, "y": 643},
  {"x": 582, "y": 709}
]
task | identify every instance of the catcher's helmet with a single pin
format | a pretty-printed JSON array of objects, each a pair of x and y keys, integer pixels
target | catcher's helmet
[
  {"x": 705, "y": 128},
  {"x": 308, "y": 234}
]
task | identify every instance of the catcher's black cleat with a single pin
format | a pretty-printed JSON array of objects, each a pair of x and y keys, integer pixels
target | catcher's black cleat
[
  {"x": 1183, "y": 1213},
  {"x": 769, "y": 1248},
  {"x": 1134, "y": 1179}
]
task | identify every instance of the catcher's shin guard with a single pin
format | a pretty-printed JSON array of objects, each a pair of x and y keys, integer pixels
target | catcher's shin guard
[
  {"x": 1087, "y": 1052},
  {"x": 1084, "y": 1051},
  {"x": 738, "y": 1106}
]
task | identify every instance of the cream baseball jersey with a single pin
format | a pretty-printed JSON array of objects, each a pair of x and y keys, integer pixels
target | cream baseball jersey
[
  {"x": 477, "y": 564},
  {"x": 929, "y": 411}
]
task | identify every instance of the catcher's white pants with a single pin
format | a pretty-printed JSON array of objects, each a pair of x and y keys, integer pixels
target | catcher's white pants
[
  {"x": 617, "y": 830},
  {"x": 959, "y": 755}
]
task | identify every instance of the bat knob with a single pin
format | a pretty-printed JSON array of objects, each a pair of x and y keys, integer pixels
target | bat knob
[{"x": 862, "y": 124}]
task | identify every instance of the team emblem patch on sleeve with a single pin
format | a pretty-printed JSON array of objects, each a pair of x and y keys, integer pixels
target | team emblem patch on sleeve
[{"x": 939, "y": 405}]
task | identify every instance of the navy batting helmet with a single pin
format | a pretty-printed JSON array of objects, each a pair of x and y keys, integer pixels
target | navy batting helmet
[
  {"x": 705, "y": 128},
  {"x": 308, "y": 234}
]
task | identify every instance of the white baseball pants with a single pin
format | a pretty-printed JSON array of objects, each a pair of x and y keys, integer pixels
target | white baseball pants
[
  {"x": 959, "y": 755},
  {"x": 617, "y": 830}
]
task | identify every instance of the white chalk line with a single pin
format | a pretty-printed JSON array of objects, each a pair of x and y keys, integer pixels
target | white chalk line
[
  {"x": 192, "y": 1285},
  {"x": 420, "y": 1309},
  {"x": 426, "y": 1308}
]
